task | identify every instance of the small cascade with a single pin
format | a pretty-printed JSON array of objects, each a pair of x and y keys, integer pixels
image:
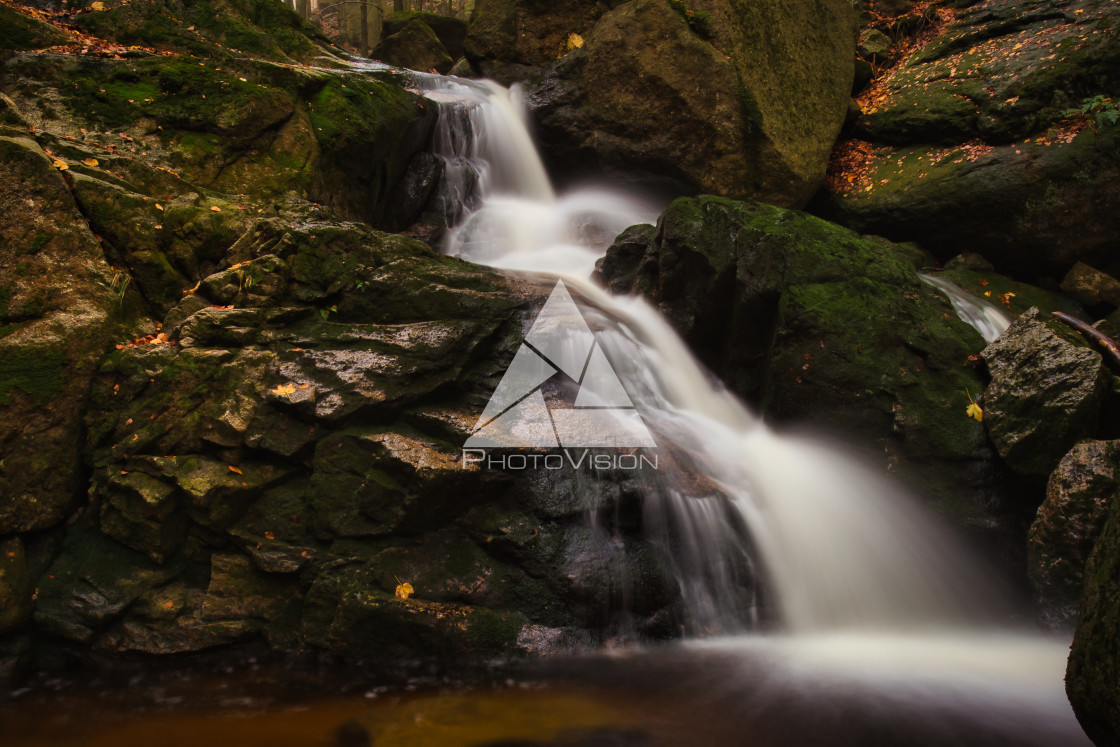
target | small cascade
[{"x": 984, "y": 316}]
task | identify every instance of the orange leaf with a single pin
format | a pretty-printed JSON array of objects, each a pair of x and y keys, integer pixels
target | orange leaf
[
  {"x": 234, "y": 469},
  {"x": 215, "y": 208}
]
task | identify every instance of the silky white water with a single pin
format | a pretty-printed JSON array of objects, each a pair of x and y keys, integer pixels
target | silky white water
[
  {"x": 984, "y": 317},
  {"x": 862, "y": 581}
]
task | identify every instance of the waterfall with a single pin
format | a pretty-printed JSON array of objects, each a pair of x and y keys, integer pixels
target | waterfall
[
  {"x": 984, "y": 316},
  {"x": 870, "y": 594},
  {"x": 838, "y": 547}
]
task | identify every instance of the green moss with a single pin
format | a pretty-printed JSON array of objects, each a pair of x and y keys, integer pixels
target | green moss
[
  {"x": 39, "y": 374},
  {"x": 18, "y": 31}
]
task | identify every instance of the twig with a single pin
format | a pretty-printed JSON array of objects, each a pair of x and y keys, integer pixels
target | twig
[{"x": 1104, "y": 341}]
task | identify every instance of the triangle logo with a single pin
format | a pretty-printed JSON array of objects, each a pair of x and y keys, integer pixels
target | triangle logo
[{"x": 560, "y": 342}]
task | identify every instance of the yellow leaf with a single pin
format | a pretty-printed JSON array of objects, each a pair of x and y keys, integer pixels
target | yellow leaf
[
  {"x": 973, "y": 410},
  {"x": 97, "y": 6},
  {"x": 284, "y": 390},
  {"x": 233, "y": 469},
  {"x": 404, "y": 590},
  {"x": 158, "y": 206},
  {"x": 91, "y": 162},
  {"x": 215, "y": 208},
  {"x": 60, "y": 164},
  {"x": 575, "y": 41}
]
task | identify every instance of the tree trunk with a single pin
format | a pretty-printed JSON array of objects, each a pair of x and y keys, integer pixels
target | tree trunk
[
  {"x": 398, "y": 5},
  {"x": 365, "y": 28}
]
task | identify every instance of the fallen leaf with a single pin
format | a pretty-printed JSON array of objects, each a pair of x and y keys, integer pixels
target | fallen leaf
[
  {"x": 100, "y": 6},
  {"x": 168, "y": 604},
  {"x": 269, "y": 536},
  {"x": 404, "y": 591},
  {"x": 974, "y": 411},
  {"x": 60, "y": 164},
  {"x": 158, "y": 206},
  {"x": 91, "y": 162},
  {"x": 215, "y": 208},
  {"x": 235, "y": 470},
  {"x": 284, "y": 390}
]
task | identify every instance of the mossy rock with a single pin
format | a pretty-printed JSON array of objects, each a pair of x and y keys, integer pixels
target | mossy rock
[
  {"x": 23, "y": 31},
  {"x": 753, "y": 130},
  {"x": 346, "y": 600},
  {"x": 211, "y": 28},
  {"x": 416, "y": 47},
  {"x": 968, "y": 144},
  {"x": 55, "y": 307},
  {"x": 820, "y": 326},
  {"x": 1094, "y": 659},
  {"x": 451, "y": 32}
]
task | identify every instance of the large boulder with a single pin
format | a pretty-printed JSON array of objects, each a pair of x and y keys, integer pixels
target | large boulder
[
  {"x": 815, "y": 324},
  {"x": 451, "y": 31},
  {"x": 416, "y": 47},
  {"x": 974, "y": 141},
  {"x": 1094, "y": 659},
  {"x": 1085, "y": 483},
  {"x": 776, "y": 79},
  {"x": 1045, "y": 394}
]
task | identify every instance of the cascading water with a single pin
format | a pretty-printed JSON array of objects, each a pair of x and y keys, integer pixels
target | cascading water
[
  {"x": 862, "y": 581},
  {"x": 984, "y": 317}
]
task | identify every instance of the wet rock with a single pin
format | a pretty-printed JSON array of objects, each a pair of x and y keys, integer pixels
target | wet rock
[
  {"x": 757, "y": 130},
  {"x": 966, "y": 144},
  {"x": 92, "y": 583},
  {"x": 815, "y": 324},
  {"x": 416, "y": 47},
  {"x": 1094, "y": 659},
  {"x": 1045, "y": 394},
  {"x": 1091, "y": 286},
  {"x": 347, "y": 599},
  {"x": 1078, "y": 495}
]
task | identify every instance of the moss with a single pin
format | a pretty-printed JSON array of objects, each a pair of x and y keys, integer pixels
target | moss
[
  {"x": 18, "y": 31},
  {"x": 39, "y": 374}
]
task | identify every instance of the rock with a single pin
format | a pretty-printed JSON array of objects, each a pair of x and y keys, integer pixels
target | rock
[
  {"x": 1085, "y": 483},
  {"x": 56, "y": 298},
  {"x": 1091, "y": 286},
  {"x": 757, "y": 130},
  {"x": 213, "y": 29},
  {"x": 20, "y": 31},
  {"x": 92, "y": 583},
  {"x": 1094, "y": 659},
  {"x": 814, "y": 324},
  {"x": 416, "y": 47},
  {"x": 874, "y": 45},
  {"x": 1045, "y": 394},
  {"x": 526, "y": 32},
  {"x": 346, "y": 599},
  {"x": 15, "y": 585},
  {"x": 250, "y": 128},
  {"x": 451, "y": 31},
  {"x": 966, "y": 144}
]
